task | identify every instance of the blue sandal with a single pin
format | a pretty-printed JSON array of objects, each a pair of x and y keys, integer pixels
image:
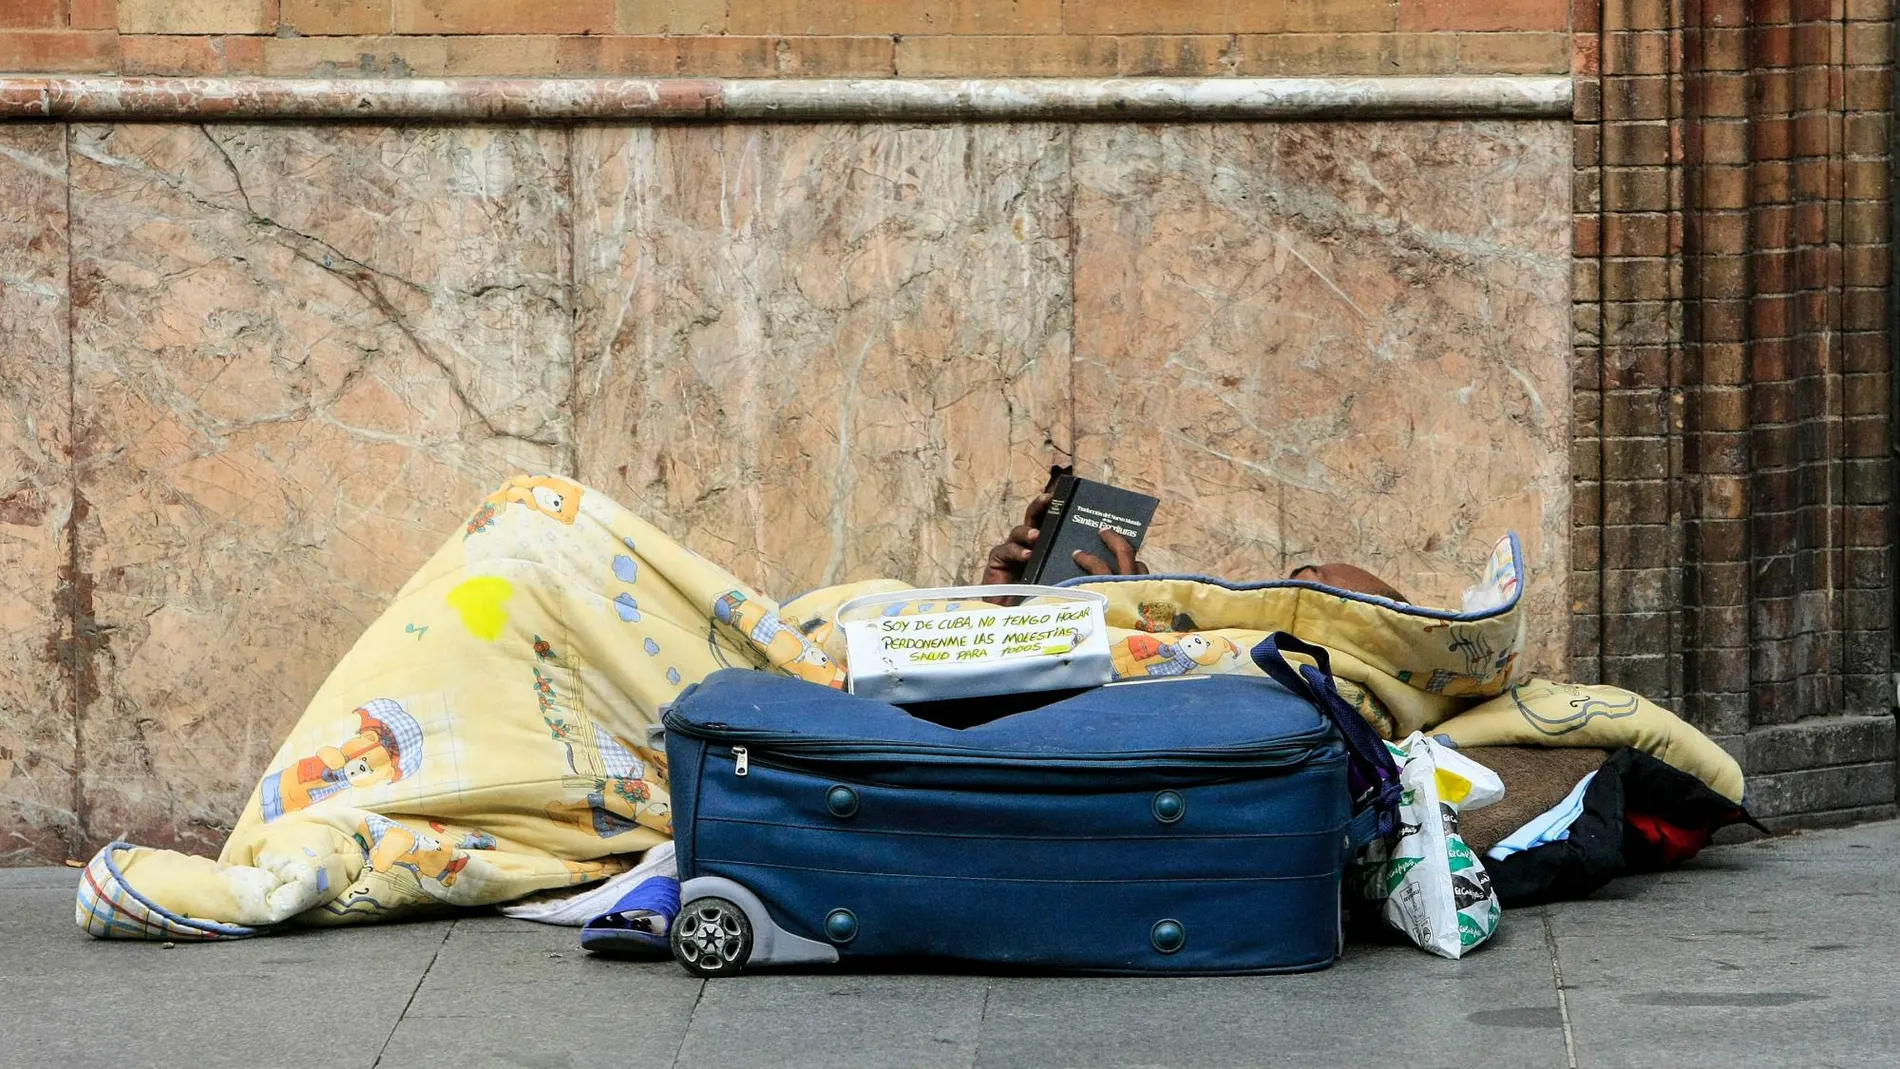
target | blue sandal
[{"x": 638, "y": 923}]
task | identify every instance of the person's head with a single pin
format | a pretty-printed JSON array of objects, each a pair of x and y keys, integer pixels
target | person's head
[{"x": 1348, "y": 577}]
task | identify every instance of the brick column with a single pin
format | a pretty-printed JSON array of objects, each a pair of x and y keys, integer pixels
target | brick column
[
  {"x": 1867, "y": 353},
  {"x": 1630, "y": 536},
  {"x": 1716, "y": 414},
  {"x": 1735, "y": 473}
]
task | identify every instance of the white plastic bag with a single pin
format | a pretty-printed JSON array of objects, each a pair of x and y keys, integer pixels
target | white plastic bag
[{"x": 1427, "y": 882}]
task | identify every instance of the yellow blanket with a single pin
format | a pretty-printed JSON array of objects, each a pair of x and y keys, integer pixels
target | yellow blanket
[{"x": 487, "y": 737}]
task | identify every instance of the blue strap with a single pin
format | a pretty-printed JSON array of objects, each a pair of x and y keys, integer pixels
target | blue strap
[
  {"x": 1372, "y": 774},
  {"x": 1362, "y": 829}
]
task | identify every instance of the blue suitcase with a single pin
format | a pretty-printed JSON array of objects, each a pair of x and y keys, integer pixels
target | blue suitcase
[{"x": 1193, "y": 825}]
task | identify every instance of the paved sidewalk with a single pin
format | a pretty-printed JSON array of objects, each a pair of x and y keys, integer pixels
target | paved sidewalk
[{"x": 1784, "y": 952}]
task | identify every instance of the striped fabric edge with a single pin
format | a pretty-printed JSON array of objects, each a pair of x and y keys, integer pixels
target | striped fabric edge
[{"x": 108, "y": 908}]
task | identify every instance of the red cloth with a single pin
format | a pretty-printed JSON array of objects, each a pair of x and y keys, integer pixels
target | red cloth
[{"x": 1673, "y": 843}]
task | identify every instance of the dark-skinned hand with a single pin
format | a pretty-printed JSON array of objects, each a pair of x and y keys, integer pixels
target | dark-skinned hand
[
  {"x": 1120, "y": 552},
  {"x": 1006, "y": 559}
]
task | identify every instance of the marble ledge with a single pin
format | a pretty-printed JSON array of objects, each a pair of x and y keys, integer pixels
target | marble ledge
[{"x": 786, "y": 100}]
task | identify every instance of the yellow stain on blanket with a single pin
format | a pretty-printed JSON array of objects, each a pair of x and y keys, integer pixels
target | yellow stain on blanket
[{"x": 480, "y": 602}]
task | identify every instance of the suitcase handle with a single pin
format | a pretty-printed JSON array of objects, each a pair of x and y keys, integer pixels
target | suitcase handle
[{"x": 1371, "y": 773}]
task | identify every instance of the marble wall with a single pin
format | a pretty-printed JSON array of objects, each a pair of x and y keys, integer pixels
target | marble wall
[
  {"x": 845, "y": 353},
  {"x": 255, "y": 373},
  {"x": 39, "y": 802},
  {"x": 1331, "y": 342},
  {"x": 299, "y": 353}
]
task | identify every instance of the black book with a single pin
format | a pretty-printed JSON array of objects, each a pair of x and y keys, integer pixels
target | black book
[{"x": 1078, "y": 511}]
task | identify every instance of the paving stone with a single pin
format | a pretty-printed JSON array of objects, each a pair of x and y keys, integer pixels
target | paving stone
[
  {"x": 485, "y": 970},
  {"x": 1772, "y": 987},
  {"x": 38, "y": 879},
  {"x": 636, "y": 1036},
  {"x": 335, "y": 1013},
  {"x": 1844, "y": 882},
  {"x": 1495, "y": 1008},
  {"x": 836, "y": 1020}
]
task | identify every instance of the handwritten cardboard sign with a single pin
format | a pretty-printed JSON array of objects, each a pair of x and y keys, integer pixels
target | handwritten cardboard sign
[
  {"x": 983, "y": 634},
  {"x": 898, "y": 645}
]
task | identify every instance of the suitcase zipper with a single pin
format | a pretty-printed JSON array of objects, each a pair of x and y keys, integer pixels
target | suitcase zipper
[
  {"x": 1284, "y": 751},
  {"x": 797, "y": 758},
  {"x": 804, "y": 762}
]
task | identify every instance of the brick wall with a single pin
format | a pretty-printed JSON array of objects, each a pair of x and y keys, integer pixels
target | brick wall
[
  {"x": 785, "y": 38},
  {"x": 1733, "y": 463}
]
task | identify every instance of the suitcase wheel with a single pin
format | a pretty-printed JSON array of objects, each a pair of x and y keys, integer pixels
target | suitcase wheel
[{"x": 711, "y": 937}]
